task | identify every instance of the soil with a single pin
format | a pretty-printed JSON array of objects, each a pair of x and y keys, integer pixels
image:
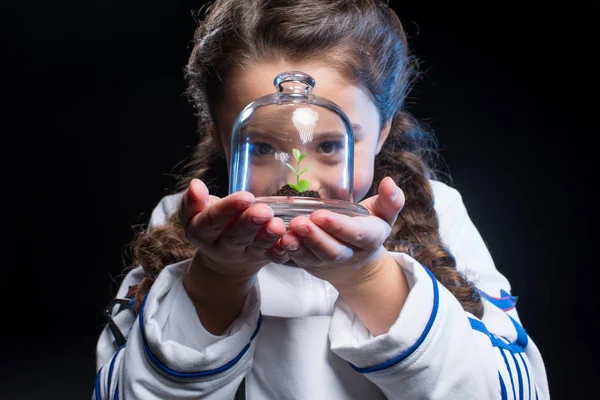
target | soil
[{"x": 287, "y": 190}]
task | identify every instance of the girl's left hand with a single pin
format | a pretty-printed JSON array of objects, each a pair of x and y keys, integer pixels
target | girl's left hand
[{"x": 343, "y": 250}]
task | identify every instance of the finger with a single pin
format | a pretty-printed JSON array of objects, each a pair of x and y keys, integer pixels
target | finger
[
  {"x": 388, "y": 203},
  {"x": 208, "y": 226},
  {"x": 277, "y": 254},
  {"x": 194, "y": 200},
  {"x": 367, "y": 233},
  {"x": 267, "y": 236},
  {"x": 213, "y": 199},
  {"x": 301, "y": 255},
  {"x": 244, "y": 230},
  {"x": 320, "y": 243}
]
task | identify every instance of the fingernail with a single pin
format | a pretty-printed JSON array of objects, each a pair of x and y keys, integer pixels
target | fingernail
[
  {"x": 302, "y": 230},
  {"x": 259, "y": 220},
  {"x": 270, "y": 233},
  {"x": 322, "y": 223},
  {"x": 396, "y": 192},
  {"x": 292, "y": 246},
  {"x": 278, "y": 251},
  {"x": 242, "y": 205}
]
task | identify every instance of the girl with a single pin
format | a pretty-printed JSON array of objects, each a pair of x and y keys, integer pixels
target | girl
[{"x": 377, "y": 306}]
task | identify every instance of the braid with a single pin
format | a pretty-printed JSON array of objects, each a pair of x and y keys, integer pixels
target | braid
[
  {"x": 416, "y": 231},
  {"x": 153, "y": 250}
]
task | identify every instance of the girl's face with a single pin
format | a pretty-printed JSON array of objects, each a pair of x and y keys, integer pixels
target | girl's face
[{"x": 246, "y": 85}]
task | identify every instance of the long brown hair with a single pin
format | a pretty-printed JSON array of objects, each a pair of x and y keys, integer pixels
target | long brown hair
[{"x": 362, "y": 39}]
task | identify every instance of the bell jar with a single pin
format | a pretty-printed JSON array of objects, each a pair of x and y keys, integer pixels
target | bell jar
[{"x": 294, "y": 151}]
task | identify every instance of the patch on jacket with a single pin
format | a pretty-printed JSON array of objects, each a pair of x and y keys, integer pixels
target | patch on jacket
[{"x": 505, "y": 302}]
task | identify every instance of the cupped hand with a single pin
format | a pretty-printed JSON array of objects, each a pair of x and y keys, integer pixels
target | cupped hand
[
  {"x": 340, "y": 249},
  {"x": 232, "y": 234}
]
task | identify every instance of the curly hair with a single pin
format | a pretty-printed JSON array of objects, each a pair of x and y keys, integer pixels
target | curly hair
[{"x": 363, "y": 40}]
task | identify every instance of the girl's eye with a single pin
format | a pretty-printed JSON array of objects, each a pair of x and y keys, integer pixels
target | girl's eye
[
  {"x": 262, "y": 149},
  {"x": 329, "y": 147}
]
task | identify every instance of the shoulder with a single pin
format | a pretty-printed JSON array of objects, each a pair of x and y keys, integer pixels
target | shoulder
[
  {"x": 446, "y": 198},
  {"x": 164, "y": 209},
  {"x": 454, "y": 219}
]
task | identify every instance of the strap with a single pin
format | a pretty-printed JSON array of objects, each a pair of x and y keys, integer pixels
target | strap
[{"x": 240, "y": 394}]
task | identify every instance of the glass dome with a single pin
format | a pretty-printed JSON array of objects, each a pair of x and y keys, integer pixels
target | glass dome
[{"x": 295, "y": 151}]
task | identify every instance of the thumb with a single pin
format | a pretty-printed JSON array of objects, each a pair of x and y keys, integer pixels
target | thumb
[
  {"x": 195, "y": 200},
  {"x": 387, "y": 203}
]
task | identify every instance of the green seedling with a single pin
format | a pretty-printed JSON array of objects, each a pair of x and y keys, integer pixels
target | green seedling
[{"x": 301, "y": 184}]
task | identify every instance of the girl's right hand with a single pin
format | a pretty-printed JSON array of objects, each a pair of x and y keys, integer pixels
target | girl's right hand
[{"x": 233, "y": 235}]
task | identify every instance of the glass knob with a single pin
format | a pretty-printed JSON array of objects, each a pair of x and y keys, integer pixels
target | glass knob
[{"x": 295, "y": 82}]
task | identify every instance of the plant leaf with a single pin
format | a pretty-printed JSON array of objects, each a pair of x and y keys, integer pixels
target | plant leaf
[
  {"x": 293, "y": 186},
  {"x": 296, "y": 154},
  {"x": 302, "y": 185},
  {"x": 301, "y": 157},
  {"x": 303, "y": 171},
  {"x": 290, "y": 166}
]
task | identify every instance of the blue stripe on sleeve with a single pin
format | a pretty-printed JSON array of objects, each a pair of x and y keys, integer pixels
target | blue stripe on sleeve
[
  {"x": 514, "y": 348},
  {"x": 415, "y": 346},
  {"x": 526, "y": 374},
  {"x": 496, "y": 342},
  {"x": 522, "y": 337},
  {"x": 190, "y": 375},
  {"x": 112, "y": 365},
  {"x": 502, "y": 387},
  {"x": 116, "y": 397},
  {"x": 97, "y": 385},
  {"x": 520, "y": 376},
  {"x": 519, "y": 372},
  {"x": 512, "y": 381}
]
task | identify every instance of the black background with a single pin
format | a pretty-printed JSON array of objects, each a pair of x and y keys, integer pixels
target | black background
[{"x": 94, "y": 122}]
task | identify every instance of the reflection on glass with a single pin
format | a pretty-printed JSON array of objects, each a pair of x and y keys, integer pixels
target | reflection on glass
[
  {"x": 282, "y": 156},
  {"x": 304, "y": 120}
]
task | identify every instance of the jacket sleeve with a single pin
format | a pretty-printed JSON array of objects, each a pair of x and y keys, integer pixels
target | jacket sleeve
[
  {"x": 168, "y": 353},
  {"x": 436, "y": 350}
]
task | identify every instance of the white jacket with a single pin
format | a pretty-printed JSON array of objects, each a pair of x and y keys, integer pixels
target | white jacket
[{"x": 295, "y": 339}]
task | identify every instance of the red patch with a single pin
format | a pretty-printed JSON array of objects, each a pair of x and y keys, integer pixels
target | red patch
[{"x": 132, "y": 291}]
